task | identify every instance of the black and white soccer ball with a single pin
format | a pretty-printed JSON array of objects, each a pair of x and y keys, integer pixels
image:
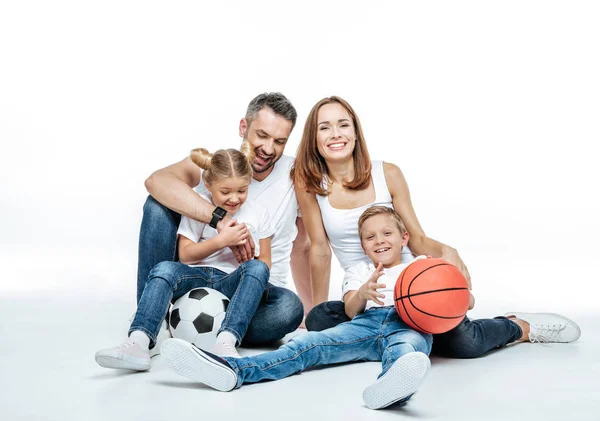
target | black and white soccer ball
[{"x": 196, "y": 316}]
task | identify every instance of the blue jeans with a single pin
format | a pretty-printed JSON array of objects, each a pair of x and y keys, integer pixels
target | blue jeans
[
  {"x": 280, "y": 310},
  {"x": 170, "y": 280},
  {"x": 375, "y": 335},
  {"x": 470, "y": 339}
]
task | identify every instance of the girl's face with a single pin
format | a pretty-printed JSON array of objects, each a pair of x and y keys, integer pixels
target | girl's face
[
  {"x": 336, "y": 136},
  {"x": 230, "y": 193}
]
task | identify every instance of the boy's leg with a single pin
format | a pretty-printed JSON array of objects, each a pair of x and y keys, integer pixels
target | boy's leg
[
  {"x": 473, "y": 338},
  {"x": 280, "y": 312},
  {"x": 353, "y": 341},
  {"x": 325, "y": 316},
  {"x": 404, "y": 361},
  {"x": 158, "y": 240}
]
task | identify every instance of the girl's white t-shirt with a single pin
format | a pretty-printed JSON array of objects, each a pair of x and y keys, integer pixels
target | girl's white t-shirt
[{"x": 251, "y": 213}]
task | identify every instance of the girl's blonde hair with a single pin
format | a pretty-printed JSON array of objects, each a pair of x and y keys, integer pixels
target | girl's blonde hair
[{"x": 224, "y": 163}]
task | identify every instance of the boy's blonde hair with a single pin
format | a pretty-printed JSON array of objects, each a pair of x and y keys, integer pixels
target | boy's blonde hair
[
  {"x": 380, "y": 210},
  {"x": 224, "y": 163}
]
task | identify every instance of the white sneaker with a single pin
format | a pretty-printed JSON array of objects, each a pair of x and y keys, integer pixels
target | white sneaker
[
  {"x": 225, "y": 350},
  {"x": 128, "y": 355},
  {"x": 549, "y": 327},
  {"x": 163, "y": 334},
  {"x": 190, "y": 361},
  {"x": 402, "y": 380}
]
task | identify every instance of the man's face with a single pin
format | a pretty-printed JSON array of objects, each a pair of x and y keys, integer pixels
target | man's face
[
  {"x": 382, "y": 240},
  {"x": 268, "y": 133}
]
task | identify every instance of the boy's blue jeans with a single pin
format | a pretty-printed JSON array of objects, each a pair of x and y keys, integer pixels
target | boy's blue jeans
[
  {"x": 170, "y": 280},
  {"x": 375, "y": 335},
  {"x": 280, "y": 310},
  {"x": 470, "y": 339}
]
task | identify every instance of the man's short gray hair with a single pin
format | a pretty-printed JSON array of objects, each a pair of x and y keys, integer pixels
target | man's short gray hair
[{"x": 277, "y": 102}]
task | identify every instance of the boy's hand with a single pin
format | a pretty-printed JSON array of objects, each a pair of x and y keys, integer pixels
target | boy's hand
[
  {"x": 368, "y": 290},
  {"x": 233, "y": 234}
]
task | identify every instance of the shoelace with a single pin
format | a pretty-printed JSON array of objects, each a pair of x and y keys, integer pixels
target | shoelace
[
  {"x": 545, "y": 333},
  {"x": 126, "y": 344}
]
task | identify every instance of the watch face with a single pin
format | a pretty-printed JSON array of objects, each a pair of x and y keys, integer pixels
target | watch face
[{"x": 220, "y": 211}]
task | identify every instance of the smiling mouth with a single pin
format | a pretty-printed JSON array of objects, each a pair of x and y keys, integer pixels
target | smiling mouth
[
  {"x": 337, "y": 146},
  {"x": 382, "y": 250}
]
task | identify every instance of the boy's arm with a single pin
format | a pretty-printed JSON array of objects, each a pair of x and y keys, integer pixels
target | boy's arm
[{"x": 355, "y": 301}]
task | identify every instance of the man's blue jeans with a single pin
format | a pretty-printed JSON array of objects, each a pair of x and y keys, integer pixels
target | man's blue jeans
[
  {"x": 470, "y": 339},
  {"x": 375, "y": 335},
  {"x": 279, "y": 312},
  {"x": 170, "y": 280}
]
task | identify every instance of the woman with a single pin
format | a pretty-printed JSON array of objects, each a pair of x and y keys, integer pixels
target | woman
[{"x": 335, "y": 182}]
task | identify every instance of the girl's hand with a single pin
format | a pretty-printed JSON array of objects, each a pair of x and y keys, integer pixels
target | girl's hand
[
  {"x": 233, "y": 234},
  {"x": 368, "y": 290},
  {"x": 451, "y": 255}
]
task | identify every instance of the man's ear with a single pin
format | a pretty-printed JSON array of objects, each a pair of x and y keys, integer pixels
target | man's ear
[{"x": 243, "y": 127}]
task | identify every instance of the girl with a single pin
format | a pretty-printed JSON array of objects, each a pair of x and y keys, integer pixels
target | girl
[
  {"x": 335, "y": 182},
  {"x": 206, "y": 261}
]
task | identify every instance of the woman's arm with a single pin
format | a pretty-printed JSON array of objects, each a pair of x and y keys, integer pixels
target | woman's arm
[
  {"x": 265, "y": 251},
  {"x": 320, "y": 251},
  {"x": 419, "y": 242}
]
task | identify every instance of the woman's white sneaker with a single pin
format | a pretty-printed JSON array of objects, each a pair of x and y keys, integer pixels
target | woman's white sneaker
[
  {"x": 402, "y": 380},
  {"x": 128, "y": 355},
  {"x": 549, "y": 327}
]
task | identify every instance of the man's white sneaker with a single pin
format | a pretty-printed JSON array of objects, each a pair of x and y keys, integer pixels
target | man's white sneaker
[
  {"x": 163, "y": 334},
  {"x": 189, "y": 361},
  {"x": 128, "y": 355},
  {"x": 549, "y": 327},
  {"x": 225, "y": 350},
  {"x": 402, "y": 380}
]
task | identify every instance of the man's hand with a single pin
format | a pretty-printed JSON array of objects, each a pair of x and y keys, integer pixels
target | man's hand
[
  {"x": 368, "y": 290},
  {"x": 244, "y": 251},
  {"x": 451, "y": 255}
]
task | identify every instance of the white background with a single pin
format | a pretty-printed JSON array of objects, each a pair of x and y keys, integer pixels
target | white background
[{"x": 491, "y": 110}]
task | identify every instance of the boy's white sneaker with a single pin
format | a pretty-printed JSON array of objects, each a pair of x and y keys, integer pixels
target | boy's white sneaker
[
  {"x": 402, "y": 380},
  {"x": 163, "y": 334},
  {"x": 225, "y": 350},
  {"x": 128, "y": 355},
  {"x": 190, "y": 361},
  {"x": 549, "y": 327}
]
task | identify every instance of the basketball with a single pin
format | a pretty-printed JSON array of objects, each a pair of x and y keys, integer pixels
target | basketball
[{"x": 431, "y": 295}]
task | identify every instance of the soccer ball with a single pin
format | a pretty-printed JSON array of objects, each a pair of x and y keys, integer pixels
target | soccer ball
[{"x": 197, "y": 316}]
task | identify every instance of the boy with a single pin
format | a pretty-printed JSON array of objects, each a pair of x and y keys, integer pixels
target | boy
[{"x": 375, "y": 332}]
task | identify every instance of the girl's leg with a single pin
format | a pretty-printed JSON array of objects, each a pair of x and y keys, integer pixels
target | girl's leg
[
  {"x": 353, "y": 341},
  {"x": 404, "y": 361}
]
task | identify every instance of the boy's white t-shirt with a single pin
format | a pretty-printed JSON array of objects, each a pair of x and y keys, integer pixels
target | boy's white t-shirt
[
  {"x": 360, "y": 273},
  {"x": 255, "y": 217},
  {"x": 277, "y": 195}
]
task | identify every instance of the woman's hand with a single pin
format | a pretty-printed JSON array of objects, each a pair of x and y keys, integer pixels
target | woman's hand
[
  {"x": 368, "y": 290},
  {"x": 451, "y": 255}
]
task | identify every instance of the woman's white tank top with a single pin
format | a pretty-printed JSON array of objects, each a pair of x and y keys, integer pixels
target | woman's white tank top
[{"x": 341, "y": 225}]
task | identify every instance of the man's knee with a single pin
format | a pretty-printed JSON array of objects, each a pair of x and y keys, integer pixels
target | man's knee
[{"x": 292, "y": 310}]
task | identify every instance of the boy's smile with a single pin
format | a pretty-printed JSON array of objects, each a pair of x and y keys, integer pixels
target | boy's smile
[{"x": 382, "y": 240}]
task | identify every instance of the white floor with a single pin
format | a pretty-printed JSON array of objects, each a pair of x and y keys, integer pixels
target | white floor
[{"x": 48, "y": 372}]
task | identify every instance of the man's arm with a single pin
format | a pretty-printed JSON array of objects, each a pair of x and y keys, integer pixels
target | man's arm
[{"x": 300, "y": 265}]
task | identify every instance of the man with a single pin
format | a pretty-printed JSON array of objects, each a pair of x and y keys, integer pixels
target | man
[{"x": 269, "y": 120}]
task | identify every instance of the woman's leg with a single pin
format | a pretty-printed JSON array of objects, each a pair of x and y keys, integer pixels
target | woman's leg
[{"x": 325, "y": 316}]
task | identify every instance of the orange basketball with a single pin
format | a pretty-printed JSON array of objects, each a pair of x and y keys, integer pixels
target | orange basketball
[{"x": 431, "y": 295}]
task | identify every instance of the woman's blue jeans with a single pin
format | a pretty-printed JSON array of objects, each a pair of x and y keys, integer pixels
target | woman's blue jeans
[
  {"x": 470, "y": 339},
  {"x": 375, "y": 335},
  {"x": 279, "y": 311},
  {"x": 170, "y": 280}
]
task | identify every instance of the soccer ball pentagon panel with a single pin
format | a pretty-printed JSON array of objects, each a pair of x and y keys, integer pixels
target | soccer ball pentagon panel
[{"x": 196, "y": 316}]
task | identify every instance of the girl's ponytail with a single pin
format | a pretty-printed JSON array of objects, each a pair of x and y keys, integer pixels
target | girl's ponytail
[
  {"x": 248, "y": 151},
  {"x": 201, "y": 157}
]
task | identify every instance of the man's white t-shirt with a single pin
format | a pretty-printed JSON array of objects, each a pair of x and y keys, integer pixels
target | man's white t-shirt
[
  {"x": 276, "y": 194},
  {"x": 360, "y": 273},
  {"x": 256, "y": 218}
]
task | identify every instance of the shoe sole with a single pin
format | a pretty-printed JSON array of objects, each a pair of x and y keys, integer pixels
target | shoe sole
[
  {"x": 400, "y": 381},
  {"x": 550, "y": 314},
  {"x": 189, "y": 361},
  {"x": 125, "y": 364}
]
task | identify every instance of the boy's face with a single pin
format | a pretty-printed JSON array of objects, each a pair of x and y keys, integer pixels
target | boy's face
[{"x": 382, "y": 241}]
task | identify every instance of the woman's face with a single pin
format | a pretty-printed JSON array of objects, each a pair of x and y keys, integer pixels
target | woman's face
[{"x": 336, "y": 136}]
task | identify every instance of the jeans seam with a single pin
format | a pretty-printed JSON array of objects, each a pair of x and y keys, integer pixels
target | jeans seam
[
  {"x": 242, "y": 269},
  {"x": 296, "y": 355}
]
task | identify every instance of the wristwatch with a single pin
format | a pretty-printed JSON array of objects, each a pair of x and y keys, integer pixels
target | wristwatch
[{"x": 217, "y": 215}]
